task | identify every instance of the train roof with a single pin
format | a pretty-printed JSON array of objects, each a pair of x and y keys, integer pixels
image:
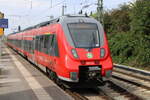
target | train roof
[{"x": 63, "y": 18}]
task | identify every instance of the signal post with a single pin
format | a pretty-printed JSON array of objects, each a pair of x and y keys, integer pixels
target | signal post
[{"x": 1, "y": 33}]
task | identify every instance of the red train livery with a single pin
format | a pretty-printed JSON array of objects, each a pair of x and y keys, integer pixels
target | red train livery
[{"x": 71, "y": 48}]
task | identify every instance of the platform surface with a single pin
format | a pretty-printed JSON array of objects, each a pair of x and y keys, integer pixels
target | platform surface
[{"x": 20, "y": 80}]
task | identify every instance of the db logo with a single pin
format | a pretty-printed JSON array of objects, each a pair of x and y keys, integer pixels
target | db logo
[{"x": 89, "y": 55}]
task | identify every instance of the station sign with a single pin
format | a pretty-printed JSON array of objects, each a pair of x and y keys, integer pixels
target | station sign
[{"x": 3, "y": 23}]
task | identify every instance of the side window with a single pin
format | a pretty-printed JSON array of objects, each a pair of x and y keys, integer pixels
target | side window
[
  {"x": 51, "y": 45},
  {"x": 36, "y": 42},
  {"x": 45, "y": 38},
  {"x": 26, "y": 45},
  {"x": 31, "y": 47},
  {"x": 40, "y": 43},
  {"x": 56, "y": 51},
  {"x": 47, "y": 43},
  {"x": 38, "y": 47}
]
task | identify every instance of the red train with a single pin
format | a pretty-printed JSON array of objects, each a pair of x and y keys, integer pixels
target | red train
[{"x": 72, "y": 49}]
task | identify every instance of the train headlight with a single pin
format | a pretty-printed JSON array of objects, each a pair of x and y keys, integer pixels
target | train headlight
[
  {"x": 102, "y": 52},
  {"x": 74, "y": 53}
]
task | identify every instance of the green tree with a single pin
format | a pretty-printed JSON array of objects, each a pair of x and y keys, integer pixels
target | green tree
[
  {"x": 140, "y": 15},
  {"x": 140, "y": 29},
  {"x": 117, "y": 20}
]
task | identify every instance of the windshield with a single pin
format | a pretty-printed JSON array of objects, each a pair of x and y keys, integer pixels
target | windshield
[{"x": 84, "y": 35}]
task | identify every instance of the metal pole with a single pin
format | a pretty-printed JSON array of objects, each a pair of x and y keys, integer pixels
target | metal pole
[
  {"x": 63, "y": 10},
  {"x": 51, "y": 3},
  {"x": 100, "y": 12},
  {"x": 1, "y": 16},
  {"x": 31, "y": 4},
  {"x": 0, "y": 46}
]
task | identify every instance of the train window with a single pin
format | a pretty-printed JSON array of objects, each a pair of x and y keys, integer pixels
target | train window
[
  {"x": 49, "y": 47},
  {"x": 84, "y": 35},
  {"x": 44, "y": 49},
  {"x": 56, "y": 46},
  {"x": 36, "y": 42},
  {"x": 23, "y": 44},
  {"x": 30, "y": 46},
  {"x": 40, "y": 43},
  {"x": 47, "y": 43},
  {"x": 26, "y": 45}
]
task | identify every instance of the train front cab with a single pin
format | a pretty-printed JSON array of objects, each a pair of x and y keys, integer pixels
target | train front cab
[{"x": 86, "y": 55}]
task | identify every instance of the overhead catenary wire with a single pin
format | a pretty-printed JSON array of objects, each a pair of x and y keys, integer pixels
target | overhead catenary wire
[
  {"x": 49, "y": 8},
  {"x": 43, "y": 16}
]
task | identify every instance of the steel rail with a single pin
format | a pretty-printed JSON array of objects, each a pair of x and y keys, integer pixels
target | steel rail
[{"x": 143, "y": 72}]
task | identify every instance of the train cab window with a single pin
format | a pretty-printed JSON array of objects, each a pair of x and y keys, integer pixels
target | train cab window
[{"x": 84, "y": 35}]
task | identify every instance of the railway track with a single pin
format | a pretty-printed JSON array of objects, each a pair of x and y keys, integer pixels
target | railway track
[
  {"x": 76, "y": 95},
  {"x": 133, "y": 81},
  {"x": 116, "y": 92},
  {"x": 92, "y": 94}
]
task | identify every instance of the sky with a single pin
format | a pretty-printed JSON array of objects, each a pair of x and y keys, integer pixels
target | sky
[{"x": 30, "y": 12}]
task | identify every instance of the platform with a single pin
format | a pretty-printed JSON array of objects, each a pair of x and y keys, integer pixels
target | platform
[{"x": 20, "y": 80}]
